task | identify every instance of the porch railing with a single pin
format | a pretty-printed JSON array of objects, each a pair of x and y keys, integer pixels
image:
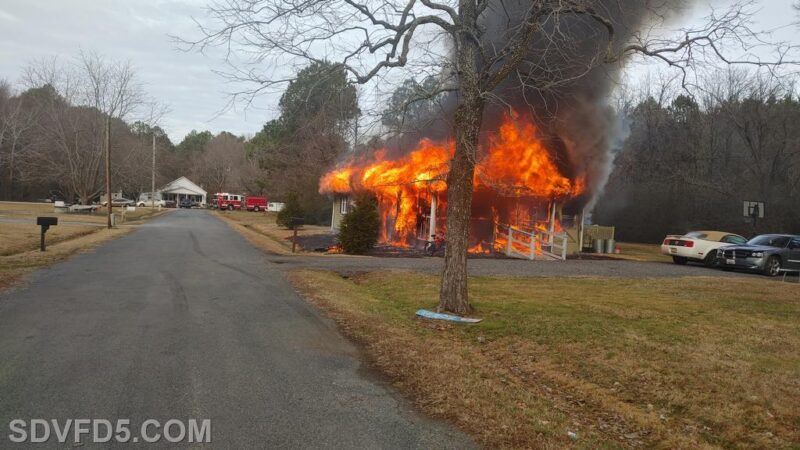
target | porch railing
[{"x": 516, "y": 243}]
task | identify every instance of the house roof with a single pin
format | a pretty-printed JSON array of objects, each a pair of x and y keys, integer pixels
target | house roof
[{"x": 182, "y": 185}]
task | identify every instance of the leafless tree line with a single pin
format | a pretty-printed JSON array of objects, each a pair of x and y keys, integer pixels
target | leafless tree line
[
  {"x": 52, "y": 131},
  {"x": 52, "y": 136},
  {"x": 224, "y": 166},
  {"x": 690, "y": 162}
]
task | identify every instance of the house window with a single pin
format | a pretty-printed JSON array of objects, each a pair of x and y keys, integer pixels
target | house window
[{"x": 343, "y": 209}]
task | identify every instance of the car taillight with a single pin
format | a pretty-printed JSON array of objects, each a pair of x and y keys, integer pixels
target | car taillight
[
  {"x": 666, "y": 242},
  {"x": 688, "y": 243}
]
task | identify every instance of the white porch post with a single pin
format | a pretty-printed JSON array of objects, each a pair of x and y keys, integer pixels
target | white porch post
[
  {"x": 333, "y": 215},
  {"x": 434, "y": 203}
]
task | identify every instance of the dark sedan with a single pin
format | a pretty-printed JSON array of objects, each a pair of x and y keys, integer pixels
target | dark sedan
[{"x": 770, "y": 254}]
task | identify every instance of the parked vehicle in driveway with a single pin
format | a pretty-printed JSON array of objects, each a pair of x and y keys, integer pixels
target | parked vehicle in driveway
[
  {"x": 146, "y": 199},
  {"x": 120, "y": 202},
  {"x": 256, "y": 203},
  {"x": 769, "y": 254},
  {"x": 186, "y": 203},
  {"x": 698, "y": 246}
]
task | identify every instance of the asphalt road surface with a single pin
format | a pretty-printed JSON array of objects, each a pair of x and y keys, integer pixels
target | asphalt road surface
[{"x": 184, "y": 319}]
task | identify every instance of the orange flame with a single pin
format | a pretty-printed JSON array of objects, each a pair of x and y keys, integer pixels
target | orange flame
[{"x": 516, "y": 163}]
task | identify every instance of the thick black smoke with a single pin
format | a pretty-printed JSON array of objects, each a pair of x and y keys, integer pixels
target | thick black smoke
[{"x": 562, "y": 82}]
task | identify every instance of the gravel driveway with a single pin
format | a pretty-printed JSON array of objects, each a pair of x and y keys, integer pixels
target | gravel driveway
[{"x": 507, "y": 267}]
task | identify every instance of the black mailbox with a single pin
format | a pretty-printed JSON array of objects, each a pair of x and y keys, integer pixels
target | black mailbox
[
  {"x": 297, "y": 221},
  {"x": 45, "y": 223}
]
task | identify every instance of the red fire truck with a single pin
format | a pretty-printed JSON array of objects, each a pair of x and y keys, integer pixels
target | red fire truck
[
  {"x": 229, "y": 201},
  {"x": 256, "y": 203}
]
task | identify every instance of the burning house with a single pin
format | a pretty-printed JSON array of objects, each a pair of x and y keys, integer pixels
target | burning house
[
  {"x": 543, "y": 157},
  {"x": 522, "y": 187}
]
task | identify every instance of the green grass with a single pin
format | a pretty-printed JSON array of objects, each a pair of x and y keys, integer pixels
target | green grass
[{"x": 683, "y": 362}]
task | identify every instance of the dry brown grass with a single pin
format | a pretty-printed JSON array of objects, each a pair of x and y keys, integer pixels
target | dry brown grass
[
  {"x": 640, "y": 252},
  {"x": 19, "y": 241},
  {"x": 27, "y": 210},
  {"x": 667, "y": 363},
  {"x": 22, "y": 237},
  {"x": 261, "y": 229}
]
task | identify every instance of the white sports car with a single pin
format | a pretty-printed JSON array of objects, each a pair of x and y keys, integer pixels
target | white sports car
[{"x": 698, "y": 246}]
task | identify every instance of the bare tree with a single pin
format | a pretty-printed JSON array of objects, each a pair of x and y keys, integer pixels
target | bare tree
[
  {"x": 79, "y": 103},
  {"x": 483, "y": 45},
  {"x": 222, "y": 164},
  {"x": 16, "y": 121}
]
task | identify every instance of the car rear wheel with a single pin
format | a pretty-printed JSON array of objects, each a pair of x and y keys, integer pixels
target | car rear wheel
[
  {"x": 711, "y": 259},
  {"x": 679, "y": 260},
  {"x": 773, "y": 267}
]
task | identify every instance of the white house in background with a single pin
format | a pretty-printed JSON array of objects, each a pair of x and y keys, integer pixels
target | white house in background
[{"x": 181, "y": 188}]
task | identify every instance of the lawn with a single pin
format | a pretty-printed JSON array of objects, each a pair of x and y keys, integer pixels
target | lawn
[
  {"x": 667, "y": 363},
  {"x": 641, "y": 252},
  {"x": 17, "y": 236},
  {"x": 22, "y": 237},
  {"x": 262, "y": 228}
]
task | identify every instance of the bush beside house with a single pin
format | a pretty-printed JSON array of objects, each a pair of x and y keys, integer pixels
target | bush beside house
[
  {"x": 360, "y": 227},
  {"x": 291, "y": 208}
]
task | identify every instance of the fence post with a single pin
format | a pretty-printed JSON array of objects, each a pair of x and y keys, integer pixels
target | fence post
[
  {"x": 564, "y": 247},
  {"x": 510, "y": 241},
  {"x": 533, "y": 245}
]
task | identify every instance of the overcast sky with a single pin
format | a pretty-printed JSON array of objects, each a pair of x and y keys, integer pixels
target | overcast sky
[{"x": 139, "y": 30}]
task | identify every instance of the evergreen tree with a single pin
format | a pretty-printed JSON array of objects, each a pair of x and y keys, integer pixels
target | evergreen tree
[
  {"x": 360, "y": 227},
  {"x": 291, "y": 208}
]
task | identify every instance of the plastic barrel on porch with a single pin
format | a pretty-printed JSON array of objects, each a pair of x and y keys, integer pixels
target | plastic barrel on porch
[{"x": 599, "y": 245}]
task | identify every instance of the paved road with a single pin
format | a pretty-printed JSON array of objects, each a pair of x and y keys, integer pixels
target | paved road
[{"x": 184, "y": 319}]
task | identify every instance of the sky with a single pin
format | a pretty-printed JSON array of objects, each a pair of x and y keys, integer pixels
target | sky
[{"x": 139, "y": 31}]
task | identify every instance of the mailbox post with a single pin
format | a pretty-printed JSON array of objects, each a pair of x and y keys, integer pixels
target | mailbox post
[
  {"x": 45, "y": 223},
  {"x": 296, "y": 223}
]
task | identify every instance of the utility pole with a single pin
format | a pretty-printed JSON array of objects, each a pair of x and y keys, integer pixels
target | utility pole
[
  {"x": 108, "y": 171},
  {"x": 153, "y": 179}
]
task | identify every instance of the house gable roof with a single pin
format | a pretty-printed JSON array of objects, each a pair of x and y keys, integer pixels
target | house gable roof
[{"x": 183, "y": 185}]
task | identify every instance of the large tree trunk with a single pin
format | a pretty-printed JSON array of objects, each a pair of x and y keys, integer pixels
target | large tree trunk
[
  {"x": 468, "y": 120},
  {"x": 453, "y": 293}
]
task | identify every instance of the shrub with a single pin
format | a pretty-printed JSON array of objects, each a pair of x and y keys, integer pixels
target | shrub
[
  {"x": 360, "y": 227},
  {"x": 291, "y": 208}
]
